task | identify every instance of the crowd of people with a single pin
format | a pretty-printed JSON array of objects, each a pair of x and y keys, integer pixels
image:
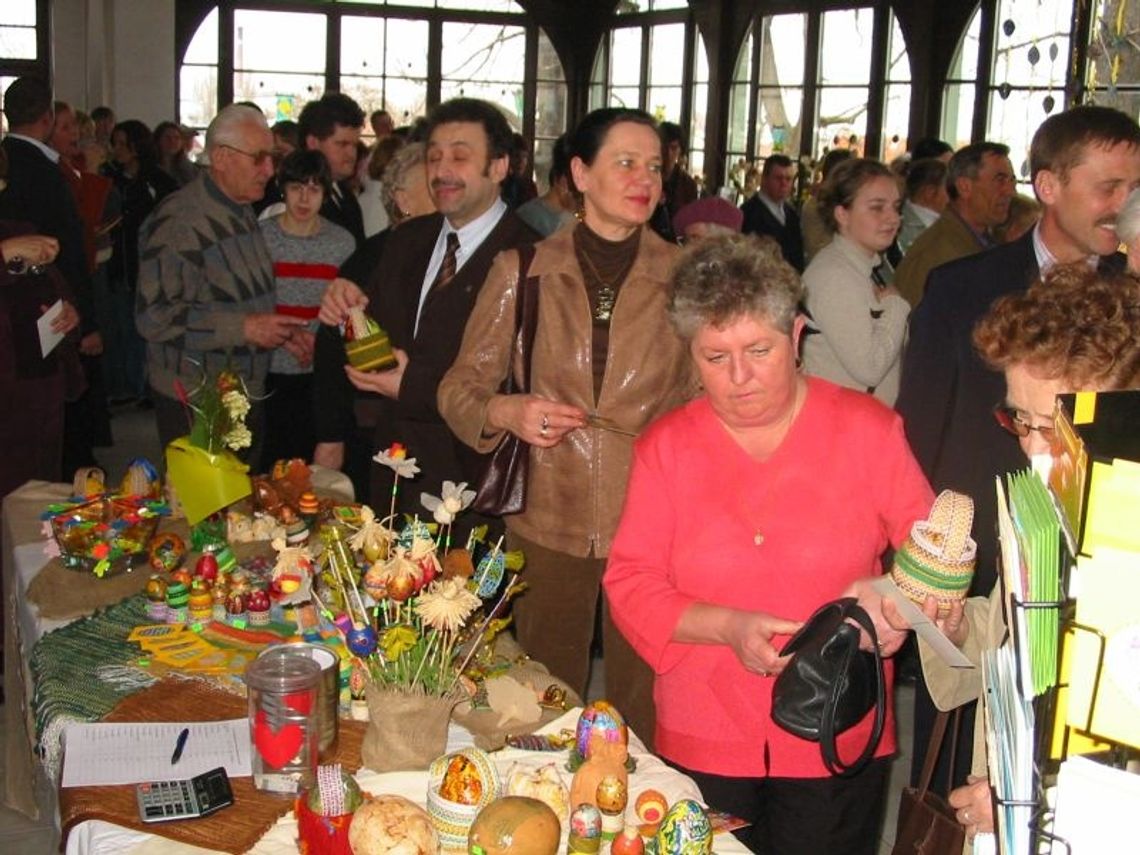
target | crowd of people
[{"x": 699, "y": 420}]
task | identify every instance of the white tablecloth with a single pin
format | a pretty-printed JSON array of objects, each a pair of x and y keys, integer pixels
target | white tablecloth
[{"x": 102, "y": 838}]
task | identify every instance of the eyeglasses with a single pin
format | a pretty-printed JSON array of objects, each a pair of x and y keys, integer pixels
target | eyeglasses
[
  {"x": 1013, "y": 420},
  {"x": 258, "y": 157}
]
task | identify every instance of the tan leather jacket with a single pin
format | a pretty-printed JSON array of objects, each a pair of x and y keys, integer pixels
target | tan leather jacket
[{"x": 576, "y": 489}]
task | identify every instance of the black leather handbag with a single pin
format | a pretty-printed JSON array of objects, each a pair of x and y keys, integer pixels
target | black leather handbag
[
  {"x": 830, "y": 685},
  {"x": 502, "y": 487}
]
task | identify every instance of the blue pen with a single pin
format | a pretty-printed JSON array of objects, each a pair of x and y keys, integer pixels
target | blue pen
[{"x": 179, "y": 745}]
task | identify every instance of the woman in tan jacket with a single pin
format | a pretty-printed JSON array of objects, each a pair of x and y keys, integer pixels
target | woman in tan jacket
[{"x": 605, "y": 363}]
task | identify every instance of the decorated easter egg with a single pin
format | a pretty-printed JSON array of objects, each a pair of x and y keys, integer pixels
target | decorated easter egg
[
  {"x": 156, "y": 589},
  {"x": 585, "y": 829},
  {"x": 166, "y": 551},
  {"x": 650, "y": 808},
  {"x": 392, "y": 825},
  {"x": 611, "y": 794},
  {"x": 629, "y": 842},
  {"x": 207, "y": 566},
  {"x": 235, "y": 604},
  {"x": 417, "y": 530},
  {"x": 685, "y": 830},
  {"x": 177, "y": 595},
  {"x": 489, "y": 573},
  {"x": 514, "y": 825},
  {"x": 361, "y": 640},
  {"x": 182, "y": 576},
  {"x": 307, "y": 505},
  {"x": 258, "y": 600},
  {"x": 600, "y": 718}
]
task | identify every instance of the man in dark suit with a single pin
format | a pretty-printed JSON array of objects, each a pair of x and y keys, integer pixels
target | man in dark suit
[
  {"x": 424, "y": 293},
  {"x": 768, "y": 212},
  {"x": 1084, "y": 164},
  {"x": 38, "y": 194}
]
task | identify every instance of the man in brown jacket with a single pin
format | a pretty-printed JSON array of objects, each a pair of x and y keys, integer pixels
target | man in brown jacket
[{"x": 980, "y": 183}]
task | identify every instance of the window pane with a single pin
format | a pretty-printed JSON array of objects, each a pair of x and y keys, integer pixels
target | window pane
[
  {"x": 406, "y": 48},
  {"x": 198, "y": 95},
  {"x": 846, "y": 53},
  {"x": 550, "y": 109},
  {"x": 625, "y": 97},
  {"x": 782, "y": 42},
  {"x": 778, "y": 122},
  {"x": 1032, "y": 43},
  {"x": 1014, "y": 119},
  {"x": 549, "y": 65},
  {"x": 664, "y": 103},
  {"x": 483, "y": 52},
  {"x": 203, "y": 47},
  {"x": 842, "y": 115},
  {"x": 543, "y": 155},
  {"x": 405, "y": 99},
  {"x": 660, "y": 5},
  {"x": 267, "y": 89},
  {"x": 1113, "y": 53},
  {"x": 625, "y": 57},
  {"x": 21, "y": 13},
  {"x": 738, "y": 117},
  {"x": 279, "y": 41},
  {"x": 958, "y": 113},
  {"x": 368, "y": 92},
  {"x": 965, "y": 63},
  {"x": 898, "y": 63},
  {"x": 361, "y": 45},
  {"x": 597, "y": 96},
  {"x": 743, "y": 70},
  {"x": 18, "y": 42},
  {"x": 508, "y": 96},
  {"x": 666, "y": 50},
  {"x": 701, "y": 57},
  {"x": 896, "y": 120},
  {"x": 697, "y": 128},
  {"x": 478, "y": 5}
]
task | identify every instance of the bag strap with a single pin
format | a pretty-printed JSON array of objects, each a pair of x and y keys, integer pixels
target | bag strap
[
  {"x": 526, "y": 319},
  {"x": 827, "y": 726},
  {"x": 934, "y": 747}
]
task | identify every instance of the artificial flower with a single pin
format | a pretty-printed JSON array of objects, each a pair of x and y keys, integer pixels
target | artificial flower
[
  {"x": 446, "y": 605},
  {"x": 395, "y": 458},
  {"x": 455, "y": 498},
  {"x": 237, "y": 437},
  {"x": 236, "y": 404},
  {"x": 398, "y": 640}
]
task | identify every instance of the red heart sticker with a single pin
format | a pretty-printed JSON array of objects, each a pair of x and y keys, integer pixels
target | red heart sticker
[{"x": 276, "y": 747}]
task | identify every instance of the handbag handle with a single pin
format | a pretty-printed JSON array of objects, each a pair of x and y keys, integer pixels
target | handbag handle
[
  {"x": 526, "y": 320},
  {"x": 827, "y": 726},
  {"x": 934, "y": 747}
]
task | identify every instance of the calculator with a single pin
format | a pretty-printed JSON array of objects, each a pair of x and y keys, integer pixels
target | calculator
[{"x": 163, "y": 801}]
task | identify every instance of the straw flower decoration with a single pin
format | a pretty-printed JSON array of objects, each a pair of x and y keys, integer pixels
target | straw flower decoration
[
  {"x": 395, "y": 458},
  {"x": 446, "y": 605},
  {"x": 454, "y": 499}
]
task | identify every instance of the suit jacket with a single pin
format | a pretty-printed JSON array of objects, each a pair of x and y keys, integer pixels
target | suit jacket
[
  {"x": 947, "y": 393},
  {"x": 394, "y": 293},
  {"x": 758, "y": 220},
  {"x": 38, "y": 194},
  {"x": 947, "y": 239},
  {"x": 344, "y": 210}
]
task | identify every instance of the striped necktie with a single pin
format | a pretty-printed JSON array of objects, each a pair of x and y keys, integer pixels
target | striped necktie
[{"x": 447, "y": 268}]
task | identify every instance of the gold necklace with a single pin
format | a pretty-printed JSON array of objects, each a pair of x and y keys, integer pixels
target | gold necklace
[{"x": 604, "y": 310}]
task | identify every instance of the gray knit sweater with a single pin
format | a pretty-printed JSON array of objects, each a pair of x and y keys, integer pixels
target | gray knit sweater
[
  {"x": 303, "y": 267},
  {"x": 203, "y": 266}
]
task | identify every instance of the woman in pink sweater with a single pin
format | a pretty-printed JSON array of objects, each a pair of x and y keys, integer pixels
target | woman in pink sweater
[{"x": 746, "y": 510}]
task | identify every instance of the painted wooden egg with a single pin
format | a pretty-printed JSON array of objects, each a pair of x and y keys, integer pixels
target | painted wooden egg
[
  {"x": 599, "y": 718},
  {"x": 650, "y": 808},
  {"x": 612, "y": 794},
  {"x": 629, "y": 842},
  {"x": 517, "y": 825},
  {"x": 685, "y": 830},
  {"x": 156, "y": 589},
  {"x": 361, "y": 640},
  {"x": 585, "y": 829}
]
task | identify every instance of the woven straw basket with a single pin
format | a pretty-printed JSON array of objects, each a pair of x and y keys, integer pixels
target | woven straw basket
[
  {"x": 938, "y": 558},
  {"x": 453, "y": 820}
]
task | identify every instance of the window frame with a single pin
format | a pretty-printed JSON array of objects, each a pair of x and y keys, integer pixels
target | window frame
[{"x": 41, "y": 66}]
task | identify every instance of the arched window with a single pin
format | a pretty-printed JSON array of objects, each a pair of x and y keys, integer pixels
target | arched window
[
  {"x": 403, "y": 58},
  {"x": 807, "y": 82},
  {"x": 1009, "y": 73},
  {"x": 654, "y": 59}
]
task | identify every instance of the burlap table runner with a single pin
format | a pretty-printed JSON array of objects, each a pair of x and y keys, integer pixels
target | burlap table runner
[{"x": 234, "y": 829}]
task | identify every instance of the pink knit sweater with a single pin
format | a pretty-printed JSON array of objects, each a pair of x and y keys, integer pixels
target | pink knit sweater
[{"x": 841, "y": 487}]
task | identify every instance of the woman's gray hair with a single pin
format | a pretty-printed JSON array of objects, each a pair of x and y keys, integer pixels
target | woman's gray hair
[
  {"x": 1128, "y": 220},
  {"x": 396, "y": 174},
  {"x": 726, "y": 277},
  {"x": 225, "y": 129}
]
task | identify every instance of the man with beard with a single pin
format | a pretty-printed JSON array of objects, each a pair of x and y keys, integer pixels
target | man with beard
[
  {"x": 1084, "y": 164},
  {"x": 423, "y": 294}
]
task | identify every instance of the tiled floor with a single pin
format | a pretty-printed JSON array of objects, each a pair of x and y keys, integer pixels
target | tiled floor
[{"x": 135, "y": 436}]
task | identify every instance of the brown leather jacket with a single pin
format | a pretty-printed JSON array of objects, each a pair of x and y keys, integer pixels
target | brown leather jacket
[{"x": 576, "y": 489}]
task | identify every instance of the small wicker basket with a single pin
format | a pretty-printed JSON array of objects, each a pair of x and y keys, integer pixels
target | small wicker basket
[{"x": 938, "y": 558}]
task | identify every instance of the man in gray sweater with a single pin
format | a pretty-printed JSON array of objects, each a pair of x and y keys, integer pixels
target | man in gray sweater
[{"x": 206, "y": 292}]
